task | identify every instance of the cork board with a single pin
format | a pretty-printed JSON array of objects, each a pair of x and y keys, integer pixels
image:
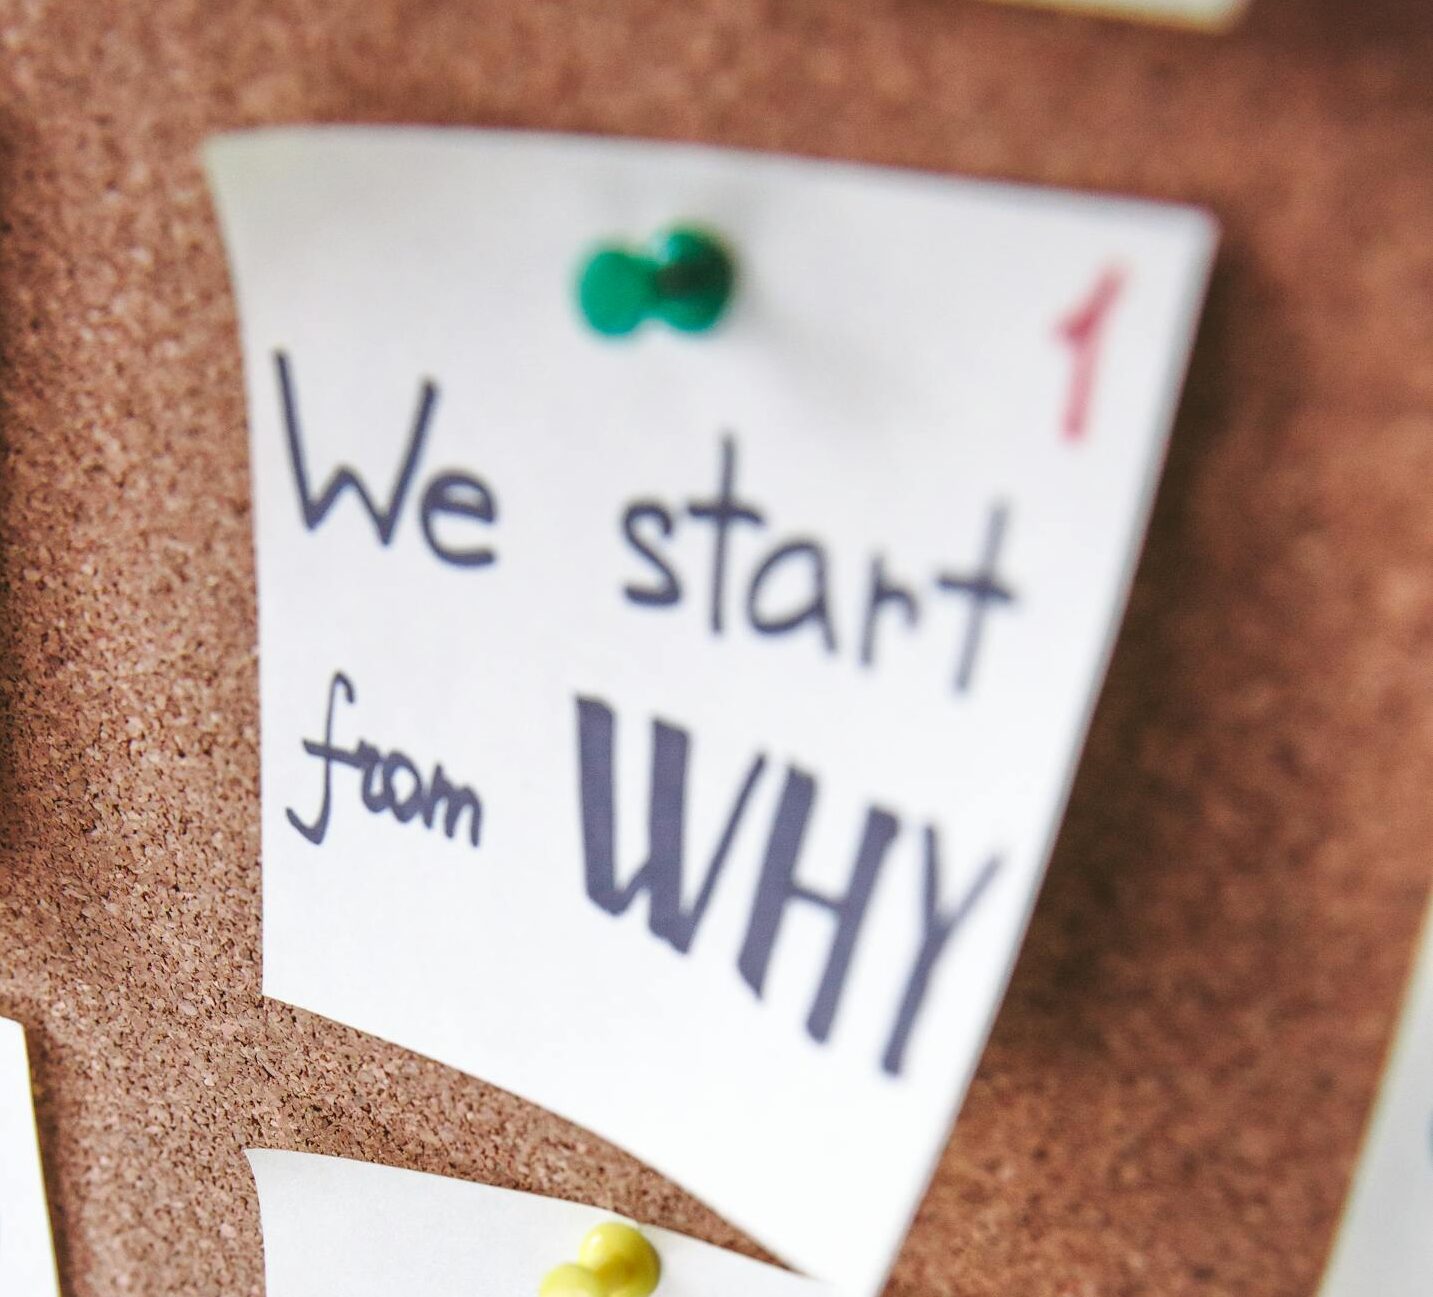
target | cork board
[{"x": 1174, "y": 1093}]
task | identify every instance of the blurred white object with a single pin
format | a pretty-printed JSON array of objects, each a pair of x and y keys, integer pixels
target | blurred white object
[
  {"x": 1213, "y": 14},
  {"x": 1385, "y": 1247},
  {"x": 27, "y": 1256}
]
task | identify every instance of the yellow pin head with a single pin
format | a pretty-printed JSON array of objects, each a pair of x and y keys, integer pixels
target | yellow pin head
[{"x": 614, "y": 1260}]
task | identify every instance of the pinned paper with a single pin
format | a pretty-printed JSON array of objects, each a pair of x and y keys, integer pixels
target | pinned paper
[
  {"x": 1385, "y": 1246},
  {"x": 1215, "y": 14},
  {"x": 27, "y": 1255},
  {"x": 335, "y": 1228},
  {"x": 673, "y": 729}
]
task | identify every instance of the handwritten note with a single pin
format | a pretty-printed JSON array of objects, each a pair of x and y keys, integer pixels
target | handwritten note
[
  {"x": 352, "y": 1229},
  {"x": 1385, "y": 1246},
  {"x": 27, "y": 1256},
  {"x": 674, "y": 730}
]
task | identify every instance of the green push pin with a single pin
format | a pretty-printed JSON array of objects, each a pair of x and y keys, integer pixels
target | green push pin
[{"x": 685, "y": 278}]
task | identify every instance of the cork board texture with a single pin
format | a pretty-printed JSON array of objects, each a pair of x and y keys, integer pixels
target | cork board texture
[{"x": 1174, "y": 1094}]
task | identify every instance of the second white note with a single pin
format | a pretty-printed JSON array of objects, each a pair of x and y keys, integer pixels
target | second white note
[{"x": 336, "y": 1228}]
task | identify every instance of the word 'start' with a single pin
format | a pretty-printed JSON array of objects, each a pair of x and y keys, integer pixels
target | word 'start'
[
  {"x": 336, "y": 1228},
  {"x": 673, "y": 730},
  {"x": 1385, "y": 1245},
  {"x": 27, "y": 1255}
]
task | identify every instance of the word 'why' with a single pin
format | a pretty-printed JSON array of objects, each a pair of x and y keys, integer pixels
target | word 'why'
[{"x": 661, "y": 874}]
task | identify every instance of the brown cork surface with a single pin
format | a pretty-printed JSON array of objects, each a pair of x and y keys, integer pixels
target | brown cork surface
[{"x": 1174, "y": 1093}]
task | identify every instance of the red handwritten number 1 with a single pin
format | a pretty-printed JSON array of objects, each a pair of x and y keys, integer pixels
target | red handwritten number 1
[{"x": 1082, "y": 329}]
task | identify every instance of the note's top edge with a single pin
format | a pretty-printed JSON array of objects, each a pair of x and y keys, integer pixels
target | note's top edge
[{"x": 220, "y": 149}]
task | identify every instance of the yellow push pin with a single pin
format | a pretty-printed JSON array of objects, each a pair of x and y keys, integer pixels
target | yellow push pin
[{"x": 615, "y": 1260}]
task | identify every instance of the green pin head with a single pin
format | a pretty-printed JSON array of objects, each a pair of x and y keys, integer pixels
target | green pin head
[{"x": 684, "y": 277}]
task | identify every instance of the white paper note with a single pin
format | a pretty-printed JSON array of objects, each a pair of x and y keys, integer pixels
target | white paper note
[
  {"x": 27, "y": 1255},
  {"x": 1385, "y": 1246},
  {"x": 352, "y": 1229},
  {"x": 846, "y": 571}
]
